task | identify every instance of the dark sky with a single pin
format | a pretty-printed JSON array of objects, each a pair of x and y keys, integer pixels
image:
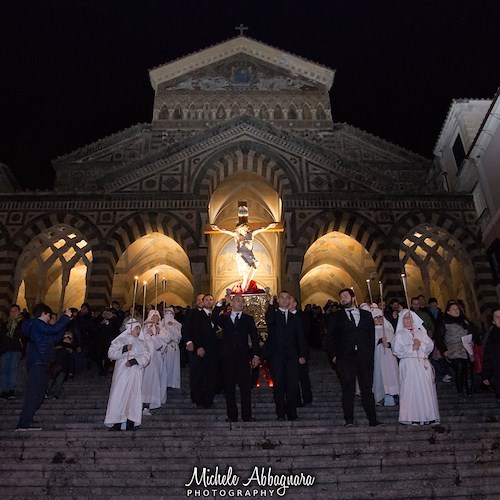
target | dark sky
[{"x": 74, "y": 71}]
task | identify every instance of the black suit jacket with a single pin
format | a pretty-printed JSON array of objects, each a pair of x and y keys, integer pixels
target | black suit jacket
[
  {"x": 202, "y": 331},
  {"x": 343, "y": 338},
  {"x": 284, "y": 340},
  {"x": 235, "y": 337}
]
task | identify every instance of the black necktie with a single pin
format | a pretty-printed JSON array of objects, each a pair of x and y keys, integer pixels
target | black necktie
[
  {"x": 353, "y": 321},
  {"x": 236, "y": 319}
]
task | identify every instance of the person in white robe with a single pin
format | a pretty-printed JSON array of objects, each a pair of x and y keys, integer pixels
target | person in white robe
[
  {"x": 152, "y": 385},
  {"x": 385, "y": 368},
  {"x": 171, "y": 354},
  {"x": 418, "y": 403},
  {"x": 125, "y": 401}
]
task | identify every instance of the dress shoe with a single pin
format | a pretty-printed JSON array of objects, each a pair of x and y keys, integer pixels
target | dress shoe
[
  {"x": 251, "y": 419},
  {"x": 231, "y": 419},
  {"x": 349, "y": 423},
  {"x": 376, "y": 423},
  {"x": 294, "y": 417},
  {"x": 280, "y": 419}
]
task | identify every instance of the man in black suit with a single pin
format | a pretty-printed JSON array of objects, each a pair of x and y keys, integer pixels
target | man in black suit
[
  {"x": 350, "y": 342},
  {"x": 237, "y": 329},
  {"x": 205, "y": 359},
  {"x": 286, "y": 348}
]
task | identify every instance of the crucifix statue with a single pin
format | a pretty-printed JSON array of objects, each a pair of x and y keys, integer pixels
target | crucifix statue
[
  {"x": 244, "y": 239},
  {"x": 241, "y": 28}
]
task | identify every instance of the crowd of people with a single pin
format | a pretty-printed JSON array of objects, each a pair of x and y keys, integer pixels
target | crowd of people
[{"x": 387, "y": 354}]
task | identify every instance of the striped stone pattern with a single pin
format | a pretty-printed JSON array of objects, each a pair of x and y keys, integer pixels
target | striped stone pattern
[
  {"x": 474, "y": 252},
  {"x": 245, "y": 157}
]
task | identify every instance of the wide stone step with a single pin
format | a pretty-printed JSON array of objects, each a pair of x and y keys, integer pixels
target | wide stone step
[{"x": 76, "y": 456}]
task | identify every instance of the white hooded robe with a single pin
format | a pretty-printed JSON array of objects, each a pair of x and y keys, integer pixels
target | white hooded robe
[
  {"x": 418, "y": 402},
  {"x": 125, "y": 399}
]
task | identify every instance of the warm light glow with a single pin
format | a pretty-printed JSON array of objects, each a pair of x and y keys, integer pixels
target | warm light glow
[{"x": 136, "y": 278}]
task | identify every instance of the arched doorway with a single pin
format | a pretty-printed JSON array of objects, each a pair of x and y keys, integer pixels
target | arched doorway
[
  {"x": 53, "y": 268},
  {"x": 436, "y": 265},
  {"x": 153, "y": 254},
  {"x": 264, "y": 206},
  {"x": 333, "y": 262}
]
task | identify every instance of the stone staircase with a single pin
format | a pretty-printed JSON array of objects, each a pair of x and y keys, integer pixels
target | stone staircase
[{"x": 75, "y": 456}]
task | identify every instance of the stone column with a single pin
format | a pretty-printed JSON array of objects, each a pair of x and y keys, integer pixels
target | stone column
[
  {"x": 100, "y": 277},
  {"x": 389, "y": 272},
  {"x": 9, "y": 256}
]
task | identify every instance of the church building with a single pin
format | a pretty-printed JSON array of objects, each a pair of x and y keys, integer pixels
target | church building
[{"x": 240, "y": 121}]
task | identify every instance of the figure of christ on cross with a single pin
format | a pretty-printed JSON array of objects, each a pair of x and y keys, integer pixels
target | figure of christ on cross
[{"x": 244, "y": 238}]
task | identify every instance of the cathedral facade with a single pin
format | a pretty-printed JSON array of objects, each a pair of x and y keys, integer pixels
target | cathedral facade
[{"x": 240, "y": 121}]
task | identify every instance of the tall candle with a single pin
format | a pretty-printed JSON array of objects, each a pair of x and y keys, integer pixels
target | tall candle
[
  {"x": 144, "y": 290},
  {"x": 381, "y": 291},
  {"x": 156, "y": 291},
  {"x": 369, "y": 291},
  {"x": 136, "y": 281}
]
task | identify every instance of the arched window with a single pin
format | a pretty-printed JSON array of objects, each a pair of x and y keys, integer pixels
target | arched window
[
  {"x": 235, "y": 110},
  {"x": 206, "y": 112},
  {"x": 306, "y": 112},
  {"x": 178, "y": 112},
  {"x": 221, "y": 112},
  {"x": 320, "y": 113},
  {"x": 292, "y": 112},
  {"x": 278, "y": 112},
  {"x": 249, "y": 110},
  {"x": 264, "y": 112},
  {"x": 163, "y": 114},
  {"x": 193, "y": 115}
]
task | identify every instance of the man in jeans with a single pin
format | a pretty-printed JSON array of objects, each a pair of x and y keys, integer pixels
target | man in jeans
[{"x": 42, "y": 337}]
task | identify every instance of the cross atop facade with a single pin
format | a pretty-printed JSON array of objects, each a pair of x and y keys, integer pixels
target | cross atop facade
[{"x": 241, "y": 27}]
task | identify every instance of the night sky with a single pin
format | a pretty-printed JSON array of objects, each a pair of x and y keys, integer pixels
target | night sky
[{"x": 76, "y": 71}]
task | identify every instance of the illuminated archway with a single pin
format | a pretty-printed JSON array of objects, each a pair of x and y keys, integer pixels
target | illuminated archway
[
  {"x": 53, "y": 268},
  {"x": 264, "y": 206},
  {"x": 436, "y": 265},
  {"x": 153, "y": 254},
  {"x": 333, "y": 262}
]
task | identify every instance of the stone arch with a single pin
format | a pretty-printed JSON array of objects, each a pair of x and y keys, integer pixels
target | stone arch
[
  {"x": 163, "y": 114},
  {"x": 54, "y": 267},
  {"x": 235, "y": 110},
  {"x": 160, "y": 262},
  {"x": 347, "y": 222},
  {"x": 264, "y": 112},
  {"x": 192, "y": 112},
  {"x": 177, "y": 115},
  {"x": 455, "y": 238},
  {"x": 333, "y": 262},
  {"x": 306, "y": 112},
  {"x": 320, "y": 112},
  {"x": 264, "y": 206},
  {"x": 250, "y": 156},
  {"x": 221, "y": 112},
  {"x": 123, "y": 234},
  {"x": 278, "y": 112},
  {"x": 249, "y": 110},
  {"x": 310, "y": 228},
  {"x": 44, "y": 222},
  {"x": 11, "y": 248},
  {"x": 207, "y": 111},
  {"x": 140, "y": 224},
  {"x": 292, "y": 112}
]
